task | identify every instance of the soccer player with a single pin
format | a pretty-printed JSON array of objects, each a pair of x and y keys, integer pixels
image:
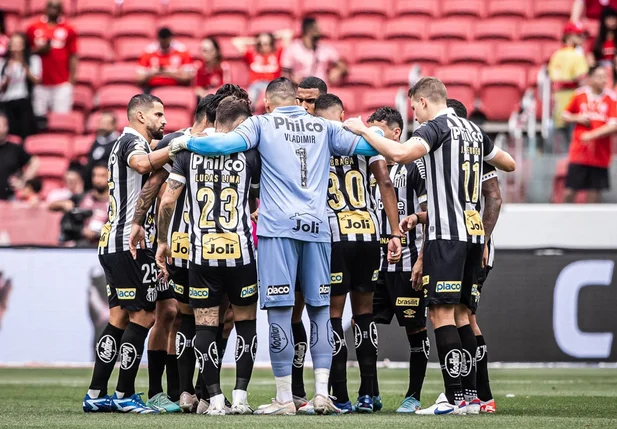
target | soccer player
[
  {"x": 354, "y": 268},
  {"x": 454, "y": 150},
  {"x": 294, "y": 237},
  {"x": 132, "y": 283},
  {"x": 394, "y": 294},
  {"x": 221, "y": 253},
  {"x": 308, "y": 90}
]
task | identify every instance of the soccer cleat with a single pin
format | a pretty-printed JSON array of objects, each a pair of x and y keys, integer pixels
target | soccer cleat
[
  {"x": 161, "y": 403},
  {"x": 240, "y": 404},
  {"x": 324, "y": 405},
  {"x": 473, "y": 407},
  {"x": 409, "y": 405},
  {"x": 97, "y": 405},
  {"x": 377, "y": 404},
  {"x": 188, "y": 402},
  {"x": 203, "y": 406},
  {"x": 277, "y": 409},
  {"x": 345, "y": 407},
  {"x": 303, "y": 406},
  {"x": 217, "y": 406},
  {"x": 132, "y": 404},
  {"x": 488, "y": 407},
  {"x": 441, "y": 407},
  {"x": 364, "y": 404}
]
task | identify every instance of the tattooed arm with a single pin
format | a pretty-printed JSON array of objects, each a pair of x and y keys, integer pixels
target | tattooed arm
[
  {"x": 166, "y": 211},
  {"x": 148, "y": 194},
  {"x": 492, "y": 205}
]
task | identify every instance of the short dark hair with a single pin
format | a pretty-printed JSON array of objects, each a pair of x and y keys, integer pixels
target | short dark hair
[
  {"x": 232, "y": 108},
  {"x": 35, "y": 183},
  {"x": 141, "y": 101},
  {"x": 313, "y": 82},
  {"x": 430, "y": 88},
  {"x": 100, "y": 163},
  {"x": 459, "y": 108},
  {"x": 325, "y": 101},
  {"x": 210, "y": 103},
  {"x": 593, "y": 68},
  {"x": 281, "y": 87},
  {"x": 75, "y": 167},
  {"x": 164, "y": 33},
  {"x": 202, "y": 107},
  {"x": 391, "y": 116},
  {"x": 307, "y": 23},
  {"x": 235, "y": 90}
]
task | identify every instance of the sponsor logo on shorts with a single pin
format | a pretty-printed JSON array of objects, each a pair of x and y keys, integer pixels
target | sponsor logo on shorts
[
  {"x": 453, "y": 363},
  {"x": 179, "y": 289},
  {"x": 129, "y": 293},
  {"x": 278, "y": 338},
  {"x": 336, "y": 278},
  {"x": 409, "y": 313},
  {"x": 248, "y": 291},
  {"x": 402, "y": 301},
  {"x": 299, "y": 354},
  {"x": 466, "y": 363},
  {"x": 108, "y": 290},
  {"x": 275, "y": 290},
  {"x": 106, "y": 348},
  {"x": 324, "y": 289},
  {"x": 375, "y": 276},
  {"x": 425, "y": 280},
  {"x": 151, "y": 294},
  {"x": 200, "y": 361},
  {"x": 374, "y": 335},
  {"x": 199, "y": 292},
  {"x": 128, "y": 356},
  {"x": 448, "y": 287}
]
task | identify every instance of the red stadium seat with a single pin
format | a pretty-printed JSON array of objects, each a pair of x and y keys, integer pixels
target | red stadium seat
[
  {"x": 94, "y": 49},
  {"x": 268, "y": 24},
  {"x": 13, "y": 7},
  {"x": 92, "y": 25},
  {"x": 474, "y": 8},
  {"x": 96, "y": 6},
  {"x": 37, "y": 7},
  {"x": 239, "y": 73},
  {"x": 51, "y": 183},
  {"x": 424, "y": 52},
  {"x": 322, "y": 7},
  {"x": 116, "y": 95},
  {"x": 283, "y": 7},
  {"x": 398, "y": 75},
  {"x": 364, "y": 75},
  {"x": 176, "y": 96},
  {"x": 459, "y": 74},
  {"x": 242, "y": 7},
  {"x": 369, "y": 27},
  {"x": 82, "y": 98},
  {"x": 119, "y": 73},
  {"x": 348, "y": 97},
  {"x": 186, "y": 24},
  {"x": 227, "y": 48},
  {"x": 518, "y": 52},
  {"x": 541, "y": 29},
  {"x": 386, "y": 52},
  {"x": 72, "y": 123},
  {"x": 88, "y": 73},
  {"x": 417, "y": 7},
  {"x": 224, "y": 25},
  {"x": 520, "y": 8},
  {"x": 470, "y": 52},
  {"x": 406, "y": 28},
  {"x": 81, "y": 147},
  {"x": 188, "y": 6},
  {"x": 345, "y": 48},
  {"x": 133, "y": 25},
  {"x": 552, "y": 9},
  {"x": 464, "y": 94},
  {"x": 52, "y": 167},
  {"x": 49, "y": 144},
  {"x": 177, "y": 118},
  {"x": 451, "y": 29},
  {"x": 501, "y": 90},
  {"x": 93, "y": 120},
  {"x": 374, "y": 7},
  {"x": 193, "y": 46},
  {"x": 374, "y": 99},
  {"x": 496, "y": 29},
  {"x": 130, "y": 48},
  {"x": 141, "y": 7},
  {"x": 328, "y": 25}
]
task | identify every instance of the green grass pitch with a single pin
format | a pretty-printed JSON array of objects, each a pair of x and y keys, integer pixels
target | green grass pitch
[{"x": 543, "y": 398}]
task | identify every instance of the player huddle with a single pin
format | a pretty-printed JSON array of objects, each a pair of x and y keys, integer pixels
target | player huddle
[{"x": 340, "y": 208}]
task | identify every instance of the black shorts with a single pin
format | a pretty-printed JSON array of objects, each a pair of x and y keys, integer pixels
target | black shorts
[
  {"x": 131, "y": 283},
  {"x": 394, "y": 295},
  {"x": 354, "y": 266},
  {"x": 582, "y": 177},
  {"x": 481, "y": 279},
  {"x": 179, "y": 283},
  {"x": 451, "y": 270},
  {"x": 209, "y": 284}
]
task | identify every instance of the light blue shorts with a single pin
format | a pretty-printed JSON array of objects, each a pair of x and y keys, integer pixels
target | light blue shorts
[{"x": 281, "y": 261}]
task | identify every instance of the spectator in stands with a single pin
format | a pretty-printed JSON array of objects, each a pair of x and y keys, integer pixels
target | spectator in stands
[
  {"x": 165, "y": 62},
  {"x": 602, "y": 48},
  {"x": 591, "y": 8},
  {"x": 212, "y": 71},
  {"x": 16, "y": 165},
  {"x": 4, "y": 38},
  {"x": 31, "y": 191},
  {"x": 106, "y": 136},
  {"x": 55, "y": 42},
  {"x": 73, "y": 186},
  {"x": 263, "y": 58},
  {"x": 307, "y": 56},
  {"x": 566, "y": 68},
  {"x": 19, "y": 73}
]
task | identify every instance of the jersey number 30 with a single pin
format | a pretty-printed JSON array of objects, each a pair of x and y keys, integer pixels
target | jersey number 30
[{"x": 354, "y": 187}]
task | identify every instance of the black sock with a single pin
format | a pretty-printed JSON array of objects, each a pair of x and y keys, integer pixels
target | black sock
[
  {"x": 221, "y": 342},
  {"x": 173, "y": 378},
  {"x": 450, "y": 360},
  {"x": 131, "y": 350},
  {"x": 209, "y": 361},
  {"x": 297, "y": 370},
  {"x": 106, "y": 353},
  {"x": 468, "y": 369},
  {"x": 246, "y": 347},
  {"x": 338, "y": 371},
  {"x": 482, "y": 381},
  {"x": 419, "y": 349},
  {"x": 366, "y": 352},
  {"x": 156, "y": 367},
  {"x": 186, "y": 353}
]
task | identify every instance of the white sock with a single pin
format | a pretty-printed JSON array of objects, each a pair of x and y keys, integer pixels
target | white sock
[
  {"x": 238, "y": 397},
  {"x": 283, "y": 389},
  {"x": 119, "y": 395},
  {"x": 217, "y": 401},
  {"x": 94, "y": 393},
  {"x": 321, "y": 381}
]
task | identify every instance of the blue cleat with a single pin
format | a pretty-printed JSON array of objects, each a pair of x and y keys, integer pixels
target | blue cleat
[
  {"x": 132, "y": 404},
  {"x": 345, "y": 407},
  {"x": 97, "y": 405},
  {"x": 377, "y": 404},
  {"x": 409, "y": 405},
  {"x": 364, "y": 404}
]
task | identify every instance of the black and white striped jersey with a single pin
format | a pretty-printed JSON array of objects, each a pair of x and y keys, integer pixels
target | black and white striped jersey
[
  {"x": 456, "y": 151},
  {"x": 490, "y": 172},
  {"x": 217, "y": 190},
  {"x": 124, "y": 188},
  {"x": 410, "y": 190},
  {"x": 351, "y": 205}
]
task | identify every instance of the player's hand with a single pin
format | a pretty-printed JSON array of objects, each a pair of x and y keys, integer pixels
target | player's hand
[
  {"x": 355, "y": 125},
  {"x": 177, "y": 145},
  {"x": 255, "y": 216},
  {"x": 416, "y": 274},
  {"x": 485, "y": 256},
  {"x": 584, "y": 120},
  {"x": 394, "y": 250},
  {"x": 162, "y": 253},
  {"x": 586, "y": 137},
  {"x": 137, "y": 237},
  {"x": 409, "y": 223}
]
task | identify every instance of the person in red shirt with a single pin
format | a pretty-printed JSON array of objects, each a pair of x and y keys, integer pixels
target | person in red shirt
[
  {"x": 212, "y": 71},
  {"x": 165, "y": 63},
  {"x": 602, "y": 48},
  {"x": 592, "y": 8},
  {"x": 593, "y": 110},
  {"x": 55, "y": 41}
]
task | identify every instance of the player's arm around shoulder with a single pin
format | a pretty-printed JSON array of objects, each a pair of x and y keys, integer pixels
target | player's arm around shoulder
[{"x": 145, "y": 162}]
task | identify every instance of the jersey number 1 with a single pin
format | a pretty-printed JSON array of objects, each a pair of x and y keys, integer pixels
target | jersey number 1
[{"x": 301, "y": 153}]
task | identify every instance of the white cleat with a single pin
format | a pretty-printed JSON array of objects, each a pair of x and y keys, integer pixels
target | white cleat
[
  {"x": 217, "y": 406},
  {"x": 277, "y": 409},
  {"x": 239, "y": 403},
  {"x": 188, "y": 402},
  {"x": 473, "y": 407},
  {"x": 324, "y": 405},
  {"x": 202, "y": 407},
  {"x": 303, "y": 406},
  {"x": 442, "y": 407}
]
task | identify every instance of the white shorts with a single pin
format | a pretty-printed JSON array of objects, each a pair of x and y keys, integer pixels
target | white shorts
[{"x": 56, "y": 98}]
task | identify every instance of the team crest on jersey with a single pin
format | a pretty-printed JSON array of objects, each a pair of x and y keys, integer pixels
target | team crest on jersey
[
  {"x": 400, "y": 178},
  {"x": 151, "y": 294}
]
